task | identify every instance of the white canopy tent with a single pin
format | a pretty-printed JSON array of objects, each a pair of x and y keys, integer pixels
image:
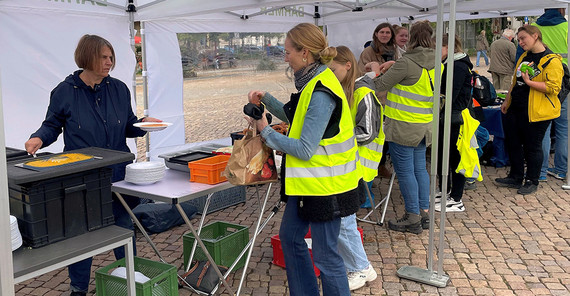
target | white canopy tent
[{"x": 38, "y": 39}]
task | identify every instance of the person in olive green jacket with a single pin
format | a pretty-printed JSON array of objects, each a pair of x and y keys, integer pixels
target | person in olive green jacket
[{"x": 407, "y": 126}]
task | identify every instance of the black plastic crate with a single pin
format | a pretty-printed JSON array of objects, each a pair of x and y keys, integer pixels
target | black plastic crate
[
  {"x": 220, "y": 200},
  {"x": 55, "y": 209},
  {"x": 13, "y": 152}
]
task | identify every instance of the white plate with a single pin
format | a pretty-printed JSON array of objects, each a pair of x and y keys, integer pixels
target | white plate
[{"x": 152, "y": 126}]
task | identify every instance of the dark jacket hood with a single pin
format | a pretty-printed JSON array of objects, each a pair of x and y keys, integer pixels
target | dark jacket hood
[
  {"x": 551, "y": 17},
  {"x": 75, "y": 81},
  {"x": 462, "y": 58}
]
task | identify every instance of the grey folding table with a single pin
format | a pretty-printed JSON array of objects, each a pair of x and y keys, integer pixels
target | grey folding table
[
  {"x": 176, "y": 188},
  {"x": 30, "y": 263}
]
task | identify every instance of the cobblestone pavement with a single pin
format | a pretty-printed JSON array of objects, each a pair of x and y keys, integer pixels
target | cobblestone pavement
[{"x": 503, "y": 244}]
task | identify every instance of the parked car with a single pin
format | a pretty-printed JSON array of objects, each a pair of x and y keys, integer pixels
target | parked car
[
  {"x": 251, "y": 49},
  {"x": 275, "y": 51}
]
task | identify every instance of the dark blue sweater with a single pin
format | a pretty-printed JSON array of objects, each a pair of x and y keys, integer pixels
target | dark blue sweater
[{"x": 90, "y": 117}]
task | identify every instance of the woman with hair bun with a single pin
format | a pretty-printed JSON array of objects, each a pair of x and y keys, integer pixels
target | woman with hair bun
[{"x": 320, "y": 176}]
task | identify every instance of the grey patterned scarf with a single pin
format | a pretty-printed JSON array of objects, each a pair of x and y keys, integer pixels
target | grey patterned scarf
[{"x": 304, "y": 75}]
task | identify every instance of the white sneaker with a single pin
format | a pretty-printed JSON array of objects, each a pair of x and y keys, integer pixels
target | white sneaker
[
  {"x": 451, "y": 206},
  {"x": 358, "y": 279},
  {"x": 438, "y": 197}
]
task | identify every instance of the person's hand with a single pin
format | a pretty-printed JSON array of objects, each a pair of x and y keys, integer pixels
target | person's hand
[
  {"x": 33, "y": 145},
  {"x": 385, "y": 66},
  {"x": 525, "y": 77},
  {"x": 504, "y": 107},
  {"x": 255, "y": 96},
  {"x": 259, "y": 124},
  {"x": 373, "y": 66},
  {"x": 151, "y": 119}
]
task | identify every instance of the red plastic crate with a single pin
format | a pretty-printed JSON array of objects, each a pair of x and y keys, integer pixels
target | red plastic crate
[
  {"x": 278, "y": 258},
  {"x": 209, "y": 170}
]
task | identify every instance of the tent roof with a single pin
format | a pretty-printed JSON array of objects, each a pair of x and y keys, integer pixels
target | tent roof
[{"x": 337, "y": 11}]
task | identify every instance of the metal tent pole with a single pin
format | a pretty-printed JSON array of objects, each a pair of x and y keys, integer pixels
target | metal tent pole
[
  {"x": 145, "y": 86},
  {"x": 428, "y": 276},
  {"x": 6, "y": 268}
]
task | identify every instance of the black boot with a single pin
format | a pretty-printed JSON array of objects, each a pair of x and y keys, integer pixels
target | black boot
[
  {"x": 410, "y": 222},
  {"x": 425, "y": 219}
]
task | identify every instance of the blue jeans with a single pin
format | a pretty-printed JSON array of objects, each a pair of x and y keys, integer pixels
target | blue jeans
[
  {"x": 560, "y": 145},
  {"x": 80, "y": 272},
  {"x": 350, "y": 245},
  {"x": 410, "y": 167},
  {"x": 484, "y": 53},
  {"x": 300, "y": 273}
]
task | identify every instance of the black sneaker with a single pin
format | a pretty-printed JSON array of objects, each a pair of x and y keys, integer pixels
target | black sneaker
[
  {"x": 508, "y": 182},
  {"x": 78, "y": 294},
  {"x": 470, "y": 185},
  {"x": 527, "y": 188}
]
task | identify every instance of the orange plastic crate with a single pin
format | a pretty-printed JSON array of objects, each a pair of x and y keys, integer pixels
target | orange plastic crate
[{"x": 208, "y": 170}]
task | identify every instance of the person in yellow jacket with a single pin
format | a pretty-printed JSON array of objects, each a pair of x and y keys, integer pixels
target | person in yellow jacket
[
  {"x": 320, "y": 174},
  {"x": 366, "y": 113},
  {"x": 530, "y": 106}
]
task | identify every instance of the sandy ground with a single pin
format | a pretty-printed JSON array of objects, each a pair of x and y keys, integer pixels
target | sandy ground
[{"x": 219, "y": 96}]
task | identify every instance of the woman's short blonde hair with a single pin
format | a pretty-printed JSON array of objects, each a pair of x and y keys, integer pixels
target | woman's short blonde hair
[
  {"x": 89, "y": 50},
  {"x": 309, "y": 36}
]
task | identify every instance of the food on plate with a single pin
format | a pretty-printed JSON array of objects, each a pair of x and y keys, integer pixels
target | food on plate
[
  {"x": 225, "y": 150},
  {"x": 155, "y": 125}
]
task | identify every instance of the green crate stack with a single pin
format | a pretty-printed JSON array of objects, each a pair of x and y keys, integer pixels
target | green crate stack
[
  {"x": 163, "y": 279},
  {"x": 224, "y": 241}
]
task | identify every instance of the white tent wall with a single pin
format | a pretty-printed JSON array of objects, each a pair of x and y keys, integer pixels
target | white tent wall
[{"x": 36, "y": 54}]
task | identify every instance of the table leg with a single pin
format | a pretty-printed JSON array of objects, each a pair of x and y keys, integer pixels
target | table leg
[
  {"x": 204, "y": 211},
  {"x": 261, "y": 210},
  {"x": 130, "y": 266},
  {"x": 197, "y": 238},
  {"x": 141, "y": 228}
]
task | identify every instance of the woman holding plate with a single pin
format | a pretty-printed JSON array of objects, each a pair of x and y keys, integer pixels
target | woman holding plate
[{"x": 92, "y": 109}]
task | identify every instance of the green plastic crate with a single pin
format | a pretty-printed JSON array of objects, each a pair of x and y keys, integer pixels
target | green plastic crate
[
  {"x": 163, "y": 280},
  {"x": 224, "y": 241}
]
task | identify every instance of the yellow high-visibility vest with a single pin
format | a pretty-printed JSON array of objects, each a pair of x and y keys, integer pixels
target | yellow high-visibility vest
[
  {"x": 333, "y": 169},
  {"x": 371, "y": 153},
  {"x": 412, "y": 103},
  {"x": 467, "y": 145}
]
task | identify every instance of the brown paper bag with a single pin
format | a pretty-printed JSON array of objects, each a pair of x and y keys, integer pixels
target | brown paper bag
[{"x": 251, "y": 162}]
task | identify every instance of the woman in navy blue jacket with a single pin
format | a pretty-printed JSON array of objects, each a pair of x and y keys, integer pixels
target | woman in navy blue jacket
[{"x": 93, "y": 110}]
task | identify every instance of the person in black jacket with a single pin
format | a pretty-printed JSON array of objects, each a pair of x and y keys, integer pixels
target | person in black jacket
[
  {"x": 92, "y": 109},
  {"x": 460, "y": 99}
]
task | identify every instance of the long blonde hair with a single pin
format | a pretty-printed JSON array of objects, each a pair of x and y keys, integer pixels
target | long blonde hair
[
  {"x": 309, "y": 36},
  {"x": 343, "y": 56}
]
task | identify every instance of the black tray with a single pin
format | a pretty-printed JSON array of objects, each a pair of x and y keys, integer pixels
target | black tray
[
  {"x": 180, "y": 162},
  {"x": 192, "y": 156}
]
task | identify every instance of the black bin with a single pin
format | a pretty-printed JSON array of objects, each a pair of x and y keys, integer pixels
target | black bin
[{"x": 55, "y": 209}]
